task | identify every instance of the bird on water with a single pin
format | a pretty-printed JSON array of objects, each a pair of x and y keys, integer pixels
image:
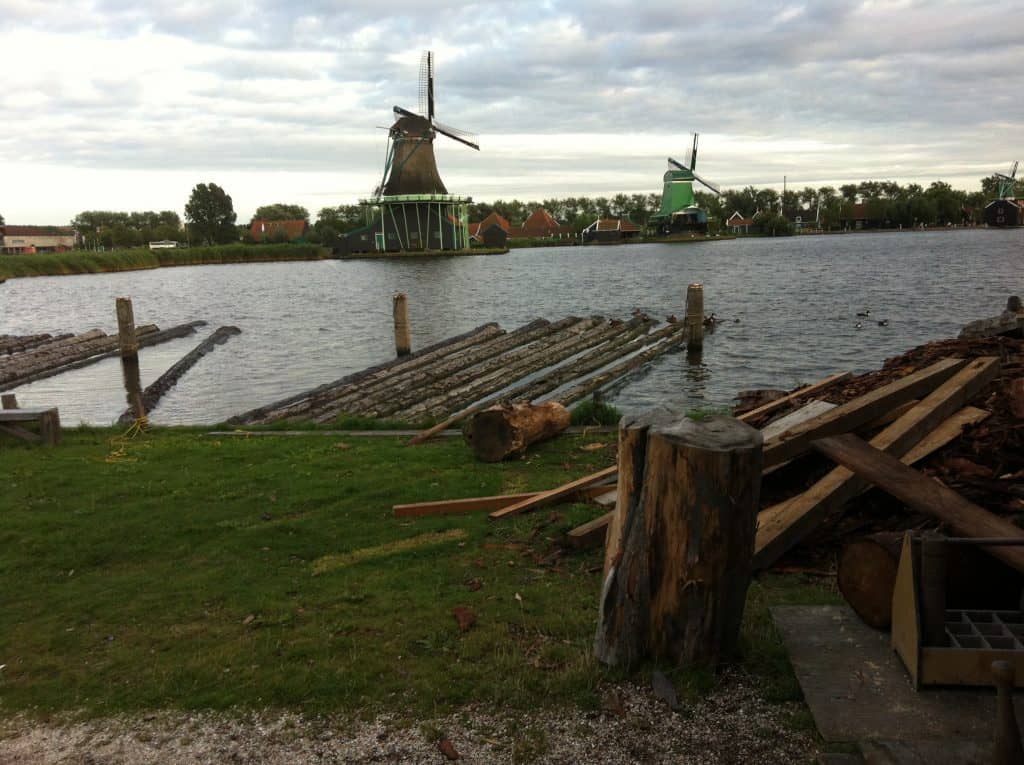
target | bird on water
[
  {"x": 883, "y": 323},
  {"x": 858, "y": 325},
  {"x": 864, "y": 314}
]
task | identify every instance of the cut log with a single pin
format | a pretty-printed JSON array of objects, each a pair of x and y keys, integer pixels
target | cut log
[
  {"x": 778, "y": 403},
  {"x": 923, "y": 494},
  {"x": 505, "y": 431},
  {"x": 860, "y": 411},
  {"x": 554, "y": 495},
  {"x": 680, "y": 567},
  {"x": 784, "y": 525},
  {"x": 154, "y": 392},
  {"x": 480, "y": 504}
]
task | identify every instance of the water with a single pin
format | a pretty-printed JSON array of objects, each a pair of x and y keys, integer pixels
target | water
[{"x": 303, "y": 324}]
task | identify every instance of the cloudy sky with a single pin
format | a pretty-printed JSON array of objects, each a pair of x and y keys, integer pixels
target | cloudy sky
[{"x": 127, "y": 104}]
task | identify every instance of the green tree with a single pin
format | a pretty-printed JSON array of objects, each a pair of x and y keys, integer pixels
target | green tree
[
  {"x": 280, "y": 211},
  {"x": 211, "y": 215},
  {"x": 2, "y": 220}
]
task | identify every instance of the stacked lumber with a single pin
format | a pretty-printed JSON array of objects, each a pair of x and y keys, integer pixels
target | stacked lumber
[
  {"x": 488, "y": 366},
  {"x": 63, "y": 353}
]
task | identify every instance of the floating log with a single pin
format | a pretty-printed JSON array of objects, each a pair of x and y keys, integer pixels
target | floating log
[
  {"x": 784, "y": 525},
  {"x": 18, "y": 343},
  {"x": 505, "y": 431},
  {"x": 401, "y": 390},
  {"x": 924, "y": 494},
  {"x": 154, "y": 392},
  {"x": 680, "y": 558},
  {"x": 301, "y": 402}
]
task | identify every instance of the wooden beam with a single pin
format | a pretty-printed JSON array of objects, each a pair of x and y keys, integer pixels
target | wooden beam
[
  {"x": 859, "y": 411},
  {"x": 477, "y": 504},
  {"x": 554, "y": 495},
  {"x": 771, "y": 406},
  {"x": 783, "y": 526},
  {"x": 809, "y": 411},
  {"x": 591, "y": 533},
  {"x": 922, "y": 494}
]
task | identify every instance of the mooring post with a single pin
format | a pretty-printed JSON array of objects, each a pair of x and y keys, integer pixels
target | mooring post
[
  {"x": 695, "y": 317},
  {"x": 129, "y": 346},
  {"x": 403, "y": 338},
  {"x": 1007, "y": 749}
]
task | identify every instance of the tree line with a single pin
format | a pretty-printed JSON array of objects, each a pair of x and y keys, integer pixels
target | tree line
[{"x": 210, "y": 217}]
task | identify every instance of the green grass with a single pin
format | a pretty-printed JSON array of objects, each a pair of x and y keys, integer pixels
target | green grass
[
  {"x": 183, "y": 571},
  {"x": 590, "y": 412},
  {"x": 85, "y": 262}
]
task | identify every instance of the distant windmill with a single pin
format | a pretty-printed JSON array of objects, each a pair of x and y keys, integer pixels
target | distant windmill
[
  {"x": 679, "y": 211},
  {"x": 1007, "y": 183},
  {"x": 411, "y": 209}
]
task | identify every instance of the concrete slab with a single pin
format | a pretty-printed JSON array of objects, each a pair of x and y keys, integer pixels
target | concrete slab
[{"x": 858, "y": 690}]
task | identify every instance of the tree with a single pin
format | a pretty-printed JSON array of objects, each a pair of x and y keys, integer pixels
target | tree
[
  {"x": 211, "y": 215},
  {"x": 279, "y": 211},
  {"x": 2, "y": 220}
]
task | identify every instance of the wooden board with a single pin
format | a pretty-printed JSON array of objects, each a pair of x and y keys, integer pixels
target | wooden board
[
  {"x": 923, "y": 494},
  {"x": 859, "y": 411},
  {"x": 591, "y": 533},
  {"x": 554, "y": 495},
  {"x": 784, "y": 525},
  {"x": 479, "y": 504},
  {"x": 771, "y": 406},
  {"x": 797, "y": 417}
]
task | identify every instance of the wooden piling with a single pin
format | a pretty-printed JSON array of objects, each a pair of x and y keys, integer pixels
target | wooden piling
[
  {"x": 695, "y": 317},
  {"x": 403, "y": 338},
  {"x": 128, "y": 344},
  {"x": 679, "y": 547}
]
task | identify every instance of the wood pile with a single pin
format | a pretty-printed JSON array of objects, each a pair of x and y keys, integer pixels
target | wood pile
[
  {"x": 41, "y": 356},
  {"x": 464, "y": 375}
]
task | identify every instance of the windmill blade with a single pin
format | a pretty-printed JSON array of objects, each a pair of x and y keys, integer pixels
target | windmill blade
[
  {"x": 677, "y": 164},
  {"x": 711, "y": 186},
  {"x": 427, "y": 85},
  {"x": 462, "y": 136},
  {"x": 1013, "y": 172},
  {"x": 403, "y": 112},
  {"x": 693, "y": 153}
]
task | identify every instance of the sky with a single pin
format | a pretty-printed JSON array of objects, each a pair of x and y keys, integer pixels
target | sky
[{"x": 127, "y": 104}]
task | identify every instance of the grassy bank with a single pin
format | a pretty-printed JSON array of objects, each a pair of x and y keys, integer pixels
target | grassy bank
[
  {"x": 182, "y": 571},
  {"x": 85, "y": 262}
]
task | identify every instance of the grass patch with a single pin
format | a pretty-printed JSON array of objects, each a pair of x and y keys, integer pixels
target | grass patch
[
  {"x": 256, "y": 573},
  {"x": 590, "y": 412},
  {"x": 702, "y": 413},
  {"x": 86, "y": 262}
]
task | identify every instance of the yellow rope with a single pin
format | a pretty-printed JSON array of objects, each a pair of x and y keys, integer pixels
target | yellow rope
[{"x": 120, "y": 453}]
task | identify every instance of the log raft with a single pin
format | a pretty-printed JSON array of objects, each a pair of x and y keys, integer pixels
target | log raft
[{"x": 564, "y": 360}]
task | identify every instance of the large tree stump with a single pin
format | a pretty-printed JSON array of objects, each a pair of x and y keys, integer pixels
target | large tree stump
[
  {"x": 680, "y": 547},
  {"x": 505, "y": 431}
]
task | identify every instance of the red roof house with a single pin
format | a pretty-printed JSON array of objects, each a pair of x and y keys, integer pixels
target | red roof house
[{"x": 266, "y": 230}]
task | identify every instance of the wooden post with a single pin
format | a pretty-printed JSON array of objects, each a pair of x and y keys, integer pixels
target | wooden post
[
  {"x": 695, "y": 317},
  {"x": 128, "y": 343},
  {"x": 1007, "y": 749},
  {"x": 680, "y": 547},
  {"x": 10, "y": 401},
  {"x": 403, "y": 338}
]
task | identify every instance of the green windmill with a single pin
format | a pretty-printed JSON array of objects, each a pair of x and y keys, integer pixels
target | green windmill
[{"x": 679, "y": 212}]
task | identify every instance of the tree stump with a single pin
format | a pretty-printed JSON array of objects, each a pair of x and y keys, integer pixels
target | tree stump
[
  {"x": 680, "y": 546},
  {"x": 504, "y": 431}
]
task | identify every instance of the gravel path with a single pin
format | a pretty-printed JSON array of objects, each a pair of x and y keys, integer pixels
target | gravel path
[{"x": 732, "y": 725}]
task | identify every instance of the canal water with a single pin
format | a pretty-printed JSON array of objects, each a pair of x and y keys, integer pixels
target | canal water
[{"x": 787, "y": 308}]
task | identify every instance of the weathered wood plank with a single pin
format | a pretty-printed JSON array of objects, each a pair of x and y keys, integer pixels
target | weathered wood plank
[
  {"x": 783, "y": 526},
  {"x": 778, "y": 403},
  {"x": 480, "y": 504},
  {"x": 799, "y": 416},
  {"x": 859, "y": 411},
  {"x": 554, "y": 495},
  {"x": 590, "y": 534},
  {"x": 923, "y": 494}
]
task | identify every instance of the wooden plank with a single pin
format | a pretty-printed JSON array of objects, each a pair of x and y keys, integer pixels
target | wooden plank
[
  {"x": 24, "y": 435},
  {"x": 28, "y": 414},
  {"x": 923, "y": 494},
  {"x": 859, "y": 411},
  {"x": 554, "y": 495},
  {"x": 476, "y": 504},
  {"x": 797, "y": 417},
  {"x": 591, "y": 533},
  {"x": 771, "y": 406},
  {"x": 784, "y": 525},
  {"x": 607, "y": 496},
  {"x": 945, "y": 433},
  {"x": 9, "y": 401}
]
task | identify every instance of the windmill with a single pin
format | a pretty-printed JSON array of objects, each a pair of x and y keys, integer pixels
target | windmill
[
  {"x": 1005, "y": 209},
  {"x": 411, "y": 208},
  {"x": 679, "y": 211},
  {"x": 1008, "y": 183}
]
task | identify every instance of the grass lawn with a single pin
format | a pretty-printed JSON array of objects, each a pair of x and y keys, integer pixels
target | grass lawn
[{"x": 178, "y": 570}]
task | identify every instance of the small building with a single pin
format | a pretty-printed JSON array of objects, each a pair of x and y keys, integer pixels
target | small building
[
  {"x": 28, "y": 240},
  {"x": 276, "y": 230},
  {"x": 541, "y": 224},
  {"x": 737, "y": 224},
  {"x": 1004, "y": 212},
  {"x": 857, "y": 215},
  {"x": 610, "y": 230},
  {"x": 493, "y": 236}
]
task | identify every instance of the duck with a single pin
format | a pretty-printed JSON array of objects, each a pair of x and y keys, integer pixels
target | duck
[
  {"x": 710, "y": 321},
  {"x": 858, "y": 325},
  {"x": 883, "y": 323},
  {"x": 865, "y": 313}
]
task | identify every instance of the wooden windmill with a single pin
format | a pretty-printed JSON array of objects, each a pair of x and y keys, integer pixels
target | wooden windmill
[
  {"x": 1005, "y": 210},
  {"x": 679, "y": 211},
  {"x": 411, "y": 208}
]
